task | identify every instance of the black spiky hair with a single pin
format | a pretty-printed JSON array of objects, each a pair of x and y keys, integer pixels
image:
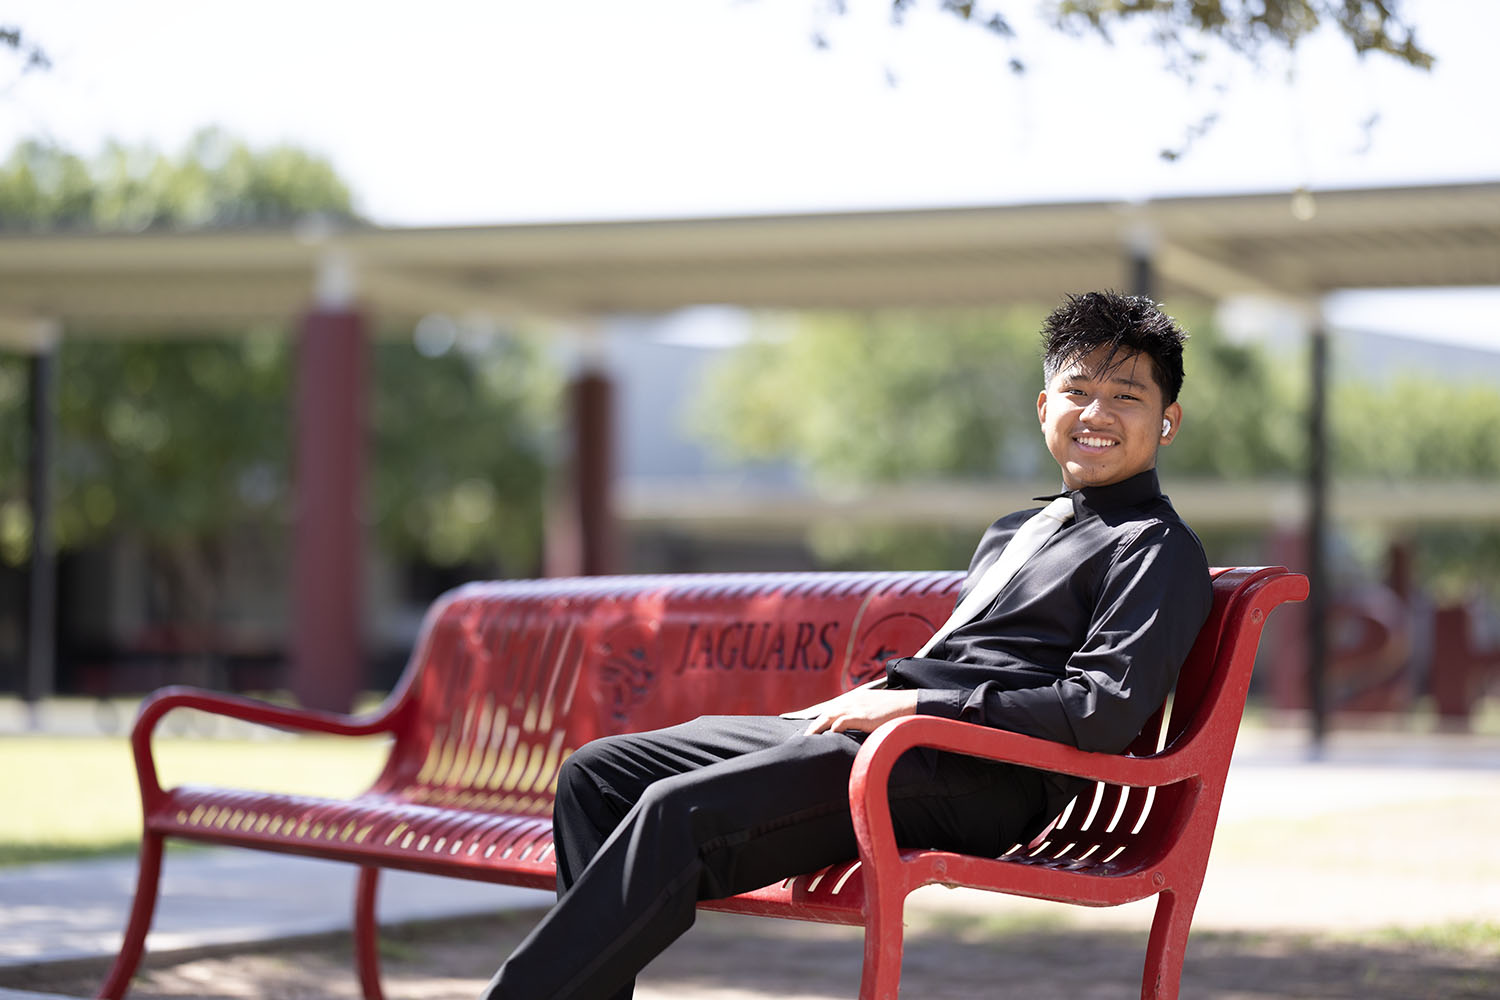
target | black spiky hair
[{"x": 1121, "y": 324}]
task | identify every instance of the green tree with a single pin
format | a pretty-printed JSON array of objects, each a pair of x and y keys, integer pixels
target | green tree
[
  {"x": 460, "y": 445},
  {"x": 1391, "y": 430},
  {"x": 176, "y": 443},
  {"x": 879, "y": 397},
  {"x": 214, "y": 181},
  {"x": 1243, "y": 414}
]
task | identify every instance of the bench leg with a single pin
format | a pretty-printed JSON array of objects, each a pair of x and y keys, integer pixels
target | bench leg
[
  {"x": 134, "y": 943},
  {"x": 881, "y": 979},
  {"x": 1168, "y": 943},
  {"x": 367, "y": 934}
]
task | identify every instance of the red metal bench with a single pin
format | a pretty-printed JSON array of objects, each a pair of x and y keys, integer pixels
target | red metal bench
[{"x": 508, "y": 678}]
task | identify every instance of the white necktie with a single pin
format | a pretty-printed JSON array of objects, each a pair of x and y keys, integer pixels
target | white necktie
[{"x": 1024, "y": 544}]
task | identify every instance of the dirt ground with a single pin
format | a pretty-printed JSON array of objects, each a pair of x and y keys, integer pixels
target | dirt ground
[
  {"x": 1327, "y": 882},
  {"x": 948, "y": 956}
]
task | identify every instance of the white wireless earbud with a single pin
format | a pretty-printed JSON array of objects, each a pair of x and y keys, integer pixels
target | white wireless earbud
[{"x": 1166, "y": 427}]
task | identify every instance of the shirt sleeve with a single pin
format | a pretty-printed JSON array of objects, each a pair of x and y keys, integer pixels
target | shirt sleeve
[{"x": 1153, "y": 599}]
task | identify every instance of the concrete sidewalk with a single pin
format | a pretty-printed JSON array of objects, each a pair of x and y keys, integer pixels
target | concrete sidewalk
[
  {"x": 68, "y": 910},
  {"x": 1371, "y": 835}
]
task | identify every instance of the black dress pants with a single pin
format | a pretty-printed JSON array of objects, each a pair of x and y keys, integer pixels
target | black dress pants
[{"x": 648, "y": 824}]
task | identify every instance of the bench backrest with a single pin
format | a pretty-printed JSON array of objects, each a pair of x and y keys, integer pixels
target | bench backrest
[
  {"x": 1122, "y": 829},
  {"x": 510, "y": 677}
]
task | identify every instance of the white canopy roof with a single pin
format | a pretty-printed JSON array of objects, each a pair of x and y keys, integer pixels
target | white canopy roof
[{"x": 1285, "y": 245}]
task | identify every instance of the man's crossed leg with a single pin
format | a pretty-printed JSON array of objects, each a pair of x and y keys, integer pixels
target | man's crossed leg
[{"x": 646, "y": 825}]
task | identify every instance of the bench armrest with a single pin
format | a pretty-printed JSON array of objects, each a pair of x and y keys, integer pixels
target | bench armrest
[
  {"x": 253, "y": 710},
  {"x": 870, "y": 802}
]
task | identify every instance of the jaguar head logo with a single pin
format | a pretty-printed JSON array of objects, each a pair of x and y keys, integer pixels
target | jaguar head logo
[
  {"x": 628, "y": 666},
  {"x": 899, "y": 634}
]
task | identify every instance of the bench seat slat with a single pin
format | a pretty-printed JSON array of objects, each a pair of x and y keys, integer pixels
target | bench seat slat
[
  {"x": 391, "y": 831},
  {"x": 369, "y": 829}
]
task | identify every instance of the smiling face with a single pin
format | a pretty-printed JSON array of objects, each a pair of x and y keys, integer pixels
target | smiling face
[{"x": 1102, "y": 427}]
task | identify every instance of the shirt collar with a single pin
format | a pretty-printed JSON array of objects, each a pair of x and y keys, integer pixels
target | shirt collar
[{"x": 1138, "y": 489}]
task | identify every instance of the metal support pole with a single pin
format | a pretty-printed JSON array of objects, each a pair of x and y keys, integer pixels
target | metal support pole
[
  {"x": 1142, "y": 273},
  {"x": 41, "y": 577},
  {"x": 1317, "y": 526}
]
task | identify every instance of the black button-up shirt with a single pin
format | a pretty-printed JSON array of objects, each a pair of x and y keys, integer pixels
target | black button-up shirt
[{"x": 1085, "y": 641}]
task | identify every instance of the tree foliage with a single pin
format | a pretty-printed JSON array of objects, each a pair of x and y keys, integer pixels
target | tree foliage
[
  {"x": 461, "y": 445},
  {"x": 1183, "y": 28},
  {"x": 28, "y": 55},
  {"x": 214, "y": 181},
  {"x": 1243, "y": 410},
  {"x": 1190, "y": 32},
  {"x": 172, "y": 440},
  {"x": 880, "y": 397},
  {"x": 1391, "y": 430}
]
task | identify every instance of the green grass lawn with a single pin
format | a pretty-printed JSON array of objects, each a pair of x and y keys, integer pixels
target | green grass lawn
[{"x": 70, "y": 797}]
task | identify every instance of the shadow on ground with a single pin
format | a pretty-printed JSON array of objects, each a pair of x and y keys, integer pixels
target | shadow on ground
[{"x": 735, "y": 958}]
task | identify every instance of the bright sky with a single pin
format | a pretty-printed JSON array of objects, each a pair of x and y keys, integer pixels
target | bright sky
[{"x": 491, "y": 111}]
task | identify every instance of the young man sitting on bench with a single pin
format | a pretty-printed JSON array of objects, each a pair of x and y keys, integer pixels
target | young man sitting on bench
[{"x": 1070, "y": 626}]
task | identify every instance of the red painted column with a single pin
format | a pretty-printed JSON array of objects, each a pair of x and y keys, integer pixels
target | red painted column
[
  {"x": 327, "y": 661},
  {"x": 582, "y": 529},
  {"x": 594, "y": 405}
]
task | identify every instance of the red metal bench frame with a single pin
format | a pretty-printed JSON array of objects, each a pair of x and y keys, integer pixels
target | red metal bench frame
[{"x": 507, "y": 678}]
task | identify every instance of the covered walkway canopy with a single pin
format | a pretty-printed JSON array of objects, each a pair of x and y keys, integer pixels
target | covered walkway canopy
[{"x": 1289, "y": 247}]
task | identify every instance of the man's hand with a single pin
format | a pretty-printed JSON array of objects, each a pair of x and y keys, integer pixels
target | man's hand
[{"x": 863, "y": 709}]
